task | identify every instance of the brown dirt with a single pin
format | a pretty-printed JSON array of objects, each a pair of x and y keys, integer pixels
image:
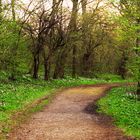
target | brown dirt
[{"x": 71, "y": 116}]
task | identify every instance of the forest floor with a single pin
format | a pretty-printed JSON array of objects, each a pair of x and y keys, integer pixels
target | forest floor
[{"x": 71, "y": 115}]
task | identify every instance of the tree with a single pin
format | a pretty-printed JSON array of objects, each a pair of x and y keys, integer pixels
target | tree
[
  {"x": 0, "y": 6},
  {"x": 130, "y": 29},
  {"x": 9, "y": 36},
  {"x": 95, "y": 28},
  {"x": 72, "y": 33},
  {"x": 13, "y": 9},
  {"x": 55, "y": 36}
]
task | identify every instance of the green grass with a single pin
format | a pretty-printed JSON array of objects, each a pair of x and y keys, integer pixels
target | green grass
[
  {"x": 112, "y": 77},
  {"x": 16, "y": 96},
  {"x": 124, "y": 108},
  {"x": 109, "y": 77}
]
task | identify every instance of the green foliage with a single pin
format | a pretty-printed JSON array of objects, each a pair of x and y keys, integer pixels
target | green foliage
[
  {"x": 122, "y": 105},
  {"x": 133, "y": 66},
  {"x": 16, "y": 96},
  {"x": 109, "y": 77},
  {"x": 128, "y": 32},
  {"x": 12, "y": 47}
]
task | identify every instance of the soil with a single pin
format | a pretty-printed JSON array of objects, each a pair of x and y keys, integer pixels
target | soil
[{"x": 71, "y": 116}]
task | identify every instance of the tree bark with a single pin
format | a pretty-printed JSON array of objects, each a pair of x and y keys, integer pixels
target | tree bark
[
  {"x": 37, "y": 50},
  {"x": 36, "y": 66},
  {"x": 138, "y": 53},
  {"x": 0, "y": 7},
  {"x": 86, "y": 55},
  {"x": 84, "y": 4},
  {"x": 138, "y": 90},
  {"x": 122, "y": 69},
  {"x": 74, "y": 61},
  {"x": 73, "y": 28},
  {"x": 47, "y": 69},
  {"x": 13, "y": 9},
  {"x": 60, "y": 65},
  {"x": 86, "y": 64}
]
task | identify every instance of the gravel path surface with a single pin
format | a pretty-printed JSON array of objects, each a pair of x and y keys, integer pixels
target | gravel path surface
[{"x": 71, "y": 116}]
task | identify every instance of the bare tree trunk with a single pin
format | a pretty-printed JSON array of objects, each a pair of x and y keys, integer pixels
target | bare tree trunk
[
  {"x": 36, "y": 66},
  {"x": 47, "y": 69},
  {"x": 84, "y": 4},
  {"x": 86, "y": 64},
  {"x": 138, "y": 90},
  {"x": 55, "y": 10},
  {"x": 0, "y": 11},
  {"x": 86, "y": 55},
  {"x": 37, "y": 50},
  {"x": 60, "y": 66},
  {"x": 138, "y": 53},
  {"x": 13, "y": 9},
  {"x": 0, "y": 8},
  {"x": 31, "y": 68},
  {"x": 122, "y": 69},
  {"x": 73, "y": 28},
  {"x": 74, "y": 61}
]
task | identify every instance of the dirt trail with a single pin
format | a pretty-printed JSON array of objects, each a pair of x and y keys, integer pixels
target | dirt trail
[{"x": 70, "y": 116}]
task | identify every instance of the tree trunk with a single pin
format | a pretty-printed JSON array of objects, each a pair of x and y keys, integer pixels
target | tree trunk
[
  {"x": 36, "y": 66},
  {"x": 0, "y": 9},
  {"x": 47, "y": 69},
  {"x": 74, "y": 62},
  {"x": 138, "y": 89},
  {"x": 73, "y": 28},
  {"x": 84, "y": 4},
  {"x": 86, "y": 64},
  {"x": 13, "y": 9},
  {"x": 31, "y": 68},
  {"x": 86, "y": 56},
  {"x": 138, "y": 53},
  {"x": 59, "y": 71},
  {"x": 122, "y": 70},
  {"x": 60, "y": 66}
]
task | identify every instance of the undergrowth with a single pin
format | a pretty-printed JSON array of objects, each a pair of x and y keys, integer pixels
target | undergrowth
[
  {"x": 123, "y": 106},
  {"x": 16, "y": 95}
]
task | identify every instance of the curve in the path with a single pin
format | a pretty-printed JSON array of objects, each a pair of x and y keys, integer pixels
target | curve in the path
[{"x": 70, "y": 116}]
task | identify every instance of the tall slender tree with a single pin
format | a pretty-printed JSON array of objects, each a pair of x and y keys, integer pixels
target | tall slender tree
[
  {"x": 130, "y": 12},
  {"x": 0, "y": 10},
  {"x": 13, "y": 9},
  {"x": 72, "y": 31}
]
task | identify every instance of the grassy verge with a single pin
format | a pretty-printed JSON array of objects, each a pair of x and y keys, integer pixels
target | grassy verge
[
  {"x": 17, "y": 96},
  {"x": 122, "y": 105}
]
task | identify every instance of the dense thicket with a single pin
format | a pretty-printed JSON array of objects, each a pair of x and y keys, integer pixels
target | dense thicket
[{"x": 53, "y": 40}]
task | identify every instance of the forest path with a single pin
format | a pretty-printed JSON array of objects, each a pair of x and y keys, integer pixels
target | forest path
[{"x": 71, "y": 116}]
